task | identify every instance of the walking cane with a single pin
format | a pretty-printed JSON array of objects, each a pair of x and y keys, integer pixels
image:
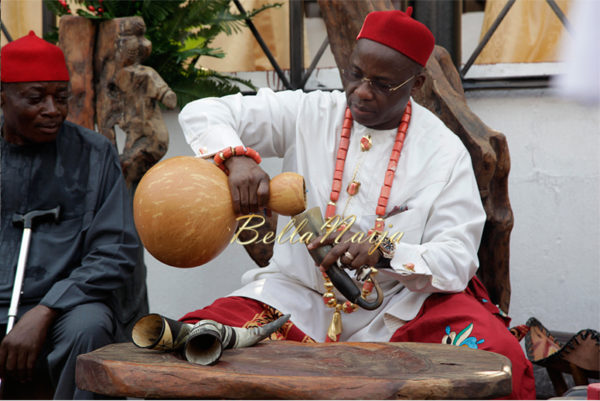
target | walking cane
[{"x": 27, "y": 221}]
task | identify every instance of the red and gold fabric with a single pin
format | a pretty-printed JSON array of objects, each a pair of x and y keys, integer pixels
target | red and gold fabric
[{"x": 246, "y": 312}]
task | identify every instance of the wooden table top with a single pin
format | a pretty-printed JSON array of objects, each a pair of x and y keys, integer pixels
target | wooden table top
[{"x": 291, "y": 370}]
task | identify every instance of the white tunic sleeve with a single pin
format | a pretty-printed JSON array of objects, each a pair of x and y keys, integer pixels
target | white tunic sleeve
[
  {"x": 446, "y": 258},
  {"x": 266, "y": 122}
]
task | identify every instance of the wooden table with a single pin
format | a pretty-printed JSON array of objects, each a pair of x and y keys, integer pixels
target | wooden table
[{"x": 291, "y": 370}]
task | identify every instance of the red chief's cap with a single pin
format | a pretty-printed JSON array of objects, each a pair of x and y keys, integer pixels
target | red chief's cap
[
  {"x": 31, "y": 59},
  {"x": 399, "y": 31}
]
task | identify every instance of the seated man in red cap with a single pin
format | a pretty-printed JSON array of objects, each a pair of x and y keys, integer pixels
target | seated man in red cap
[
  {"x": 374, "y": 154},
  {"x": 76, "y": 265}
]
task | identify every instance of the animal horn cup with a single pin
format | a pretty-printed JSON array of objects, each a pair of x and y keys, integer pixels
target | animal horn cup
[
  {"x": 201, "y": 343},
  {"x": 184, "y": 214}
]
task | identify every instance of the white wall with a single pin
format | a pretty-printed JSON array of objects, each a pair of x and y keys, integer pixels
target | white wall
[{"x": 554, "y": 191}]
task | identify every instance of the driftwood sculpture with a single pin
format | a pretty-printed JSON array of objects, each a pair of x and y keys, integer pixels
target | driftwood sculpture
[
  {"x": 110, "y": 87},
  {"x": 443, "y": 95},
  {"x": 77, "y": 37}
]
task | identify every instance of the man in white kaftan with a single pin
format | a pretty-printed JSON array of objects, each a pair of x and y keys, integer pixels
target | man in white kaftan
[
  {"x": 442, "y": 217},
  {"x": 430, "y": 289}
]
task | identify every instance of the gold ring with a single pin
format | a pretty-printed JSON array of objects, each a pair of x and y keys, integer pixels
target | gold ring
[{"x": 349, "y": 255}]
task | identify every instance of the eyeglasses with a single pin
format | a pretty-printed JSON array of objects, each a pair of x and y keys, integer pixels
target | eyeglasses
[{"x": 354, "y": 77}]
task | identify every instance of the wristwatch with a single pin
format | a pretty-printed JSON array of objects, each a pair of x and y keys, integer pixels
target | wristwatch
[{"x": 387, "y": 248}]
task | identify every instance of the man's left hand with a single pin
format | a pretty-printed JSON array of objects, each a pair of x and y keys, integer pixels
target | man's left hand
[{"x": 351, "y": 254}]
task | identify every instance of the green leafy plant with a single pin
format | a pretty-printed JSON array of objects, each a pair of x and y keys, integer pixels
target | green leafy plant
[{"x": 181, "y": 31}]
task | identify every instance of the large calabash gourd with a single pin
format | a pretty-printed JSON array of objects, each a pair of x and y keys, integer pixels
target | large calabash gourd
[{"x": 184, "y": 214}]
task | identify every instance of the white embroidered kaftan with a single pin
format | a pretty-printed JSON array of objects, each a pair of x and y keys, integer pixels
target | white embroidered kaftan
[{"x": 434, "y": 189}]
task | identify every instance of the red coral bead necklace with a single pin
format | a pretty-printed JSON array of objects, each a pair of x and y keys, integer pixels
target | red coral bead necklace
[
  {"x": 366, "y": 145},
  {"x": 335, "y": 328}
]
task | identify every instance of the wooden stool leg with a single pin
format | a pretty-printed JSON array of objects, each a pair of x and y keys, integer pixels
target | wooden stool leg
[
  {"x": 579, "y": 376},
  {"x": 558, "y": 381}
]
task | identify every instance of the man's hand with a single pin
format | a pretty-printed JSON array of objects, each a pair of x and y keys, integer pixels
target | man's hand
[
  {"x": 21, "y": 347},
  {"x": 351, "y": 254},
  {"x": 248, "y": 183}
]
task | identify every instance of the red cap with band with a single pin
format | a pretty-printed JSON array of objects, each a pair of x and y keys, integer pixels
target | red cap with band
[
  {"x": 399, "y": 31},
  {"x": 31, "y": 59}
]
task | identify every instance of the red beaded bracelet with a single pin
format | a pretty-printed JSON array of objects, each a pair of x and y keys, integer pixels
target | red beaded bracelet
[{"x": 231, "y": 151}]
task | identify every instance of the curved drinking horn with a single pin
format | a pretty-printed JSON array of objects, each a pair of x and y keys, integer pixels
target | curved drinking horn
[
  {"x": 160, "y": 333},
  {"x": 208, "y": 339},
  {"x": 311, "y": 221}
]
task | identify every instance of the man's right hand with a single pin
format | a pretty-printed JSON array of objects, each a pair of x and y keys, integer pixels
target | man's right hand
[
  {"x": 21, "y": 347},
  {"x": 248, "y": 183}
]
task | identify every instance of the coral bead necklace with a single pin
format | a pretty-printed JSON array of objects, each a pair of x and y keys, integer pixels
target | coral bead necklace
[
  {"x": 335, "y": 327},
  {"x": 366, "y": 145}
]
